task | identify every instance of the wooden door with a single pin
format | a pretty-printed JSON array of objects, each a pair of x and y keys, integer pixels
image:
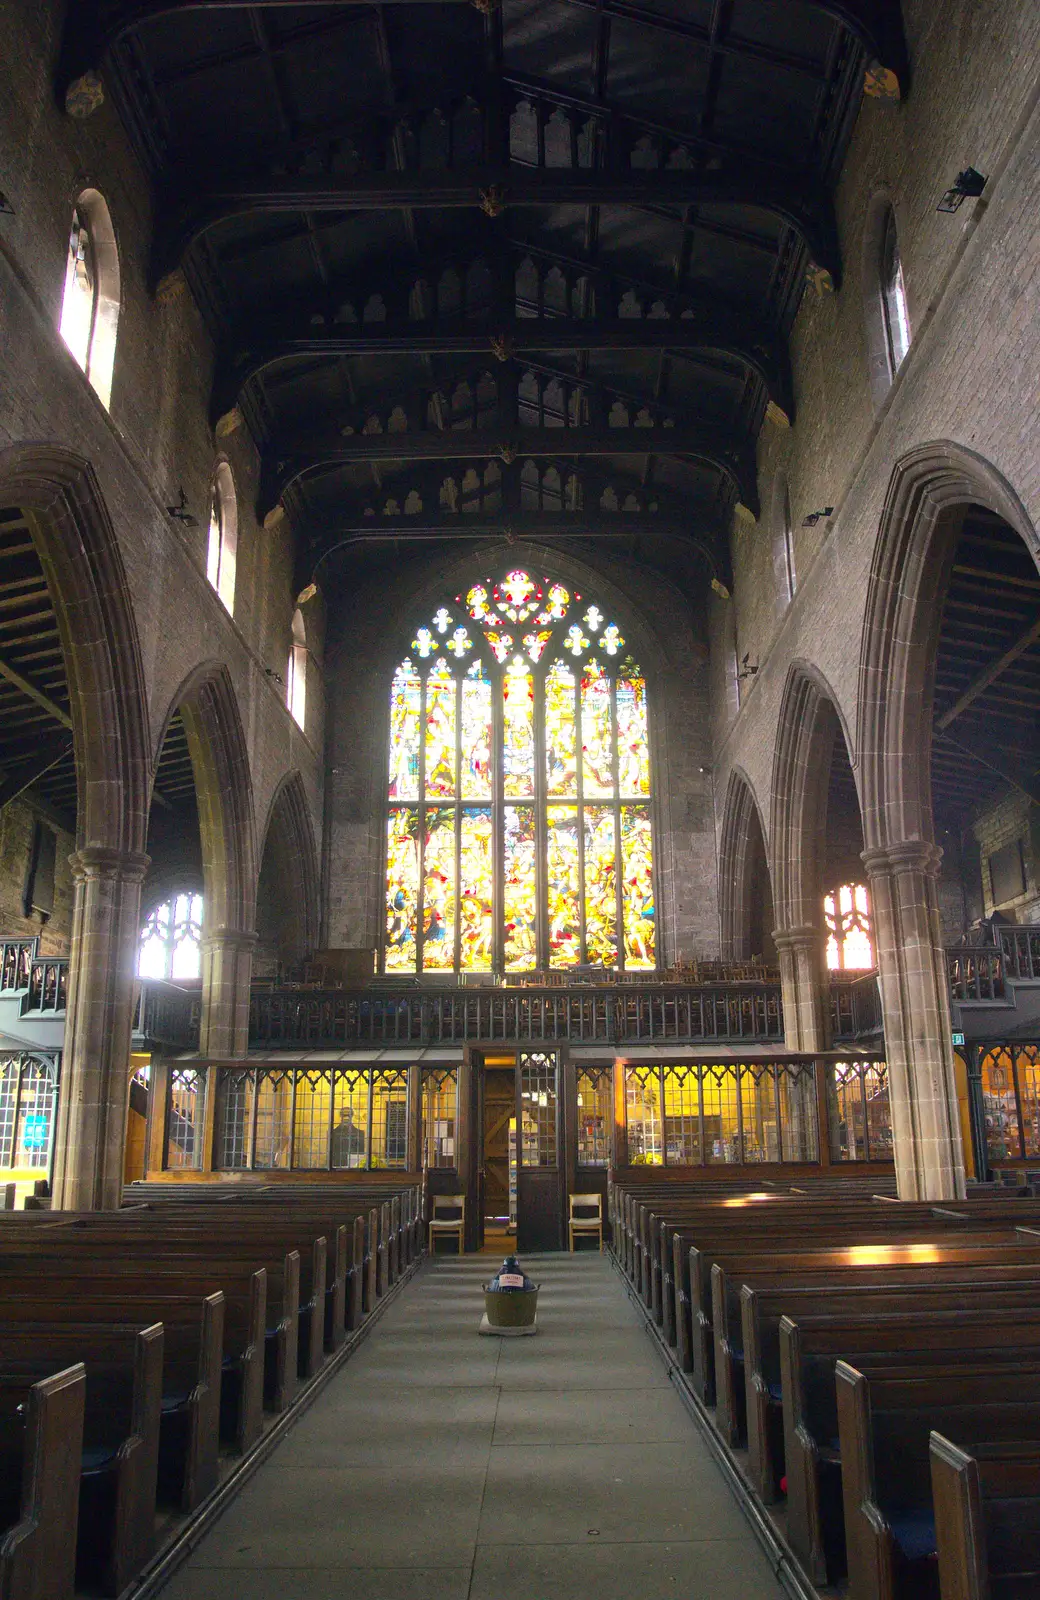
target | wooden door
[
  {"x": 499, "y": 1109},
  {"x": 540, "y": 1130},
  {"x": 470, "y": 1138}
]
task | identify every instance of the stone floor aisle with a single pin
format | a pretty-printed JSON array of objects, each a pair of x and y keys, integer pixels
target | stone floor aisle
[{"x": 440, "y": 1465}]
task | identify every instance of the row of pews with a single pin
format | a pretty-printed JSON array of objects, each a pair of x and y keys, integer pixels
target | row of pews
[
  {"x": 869, "y": 1365},
  {"x": 142, "y": 1351}
]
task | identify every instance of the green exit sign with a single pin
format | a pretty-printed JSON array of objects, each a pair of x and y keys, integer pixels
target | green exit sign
[{"x": 958, "y": 1039}]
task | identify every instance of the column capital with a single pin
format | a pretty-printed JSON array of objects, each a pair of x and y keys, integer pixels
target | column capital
[
  {"x": 101, "y": 861},
  {"x": 229, "y": 939},
  {"x": 806, "y": 937},
  {"x": 908, "y": 855}
]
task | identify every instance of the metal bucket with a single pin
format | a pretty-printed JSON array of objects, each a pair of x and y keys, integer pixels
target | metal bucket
[{"x": 510, "y": 1308}]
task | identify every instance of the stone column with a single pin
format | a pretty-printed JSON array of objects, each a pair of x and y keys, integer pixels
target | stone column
[
  {"x": 227, "y": 969},
  {"x": 95, "y": 1075},
  {"x": 916, "y": 1012},
  {"x": 804, "y": 989}
]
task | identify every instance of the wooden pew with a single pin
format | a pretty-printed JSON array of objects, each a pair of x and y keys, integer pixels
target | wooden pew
[
  {"x": 189, "y": 1436},
  {"x": 717, "y": 1368},
  {"x": 120, "y": 1458},
  {"x": 884, "y": 1428},
  {"x": 987, "y": 1519},
  {"x": 913, "y": 1340},
  {"x": 41, "y": 1443},
  {"x": 827, "y": 1323}
]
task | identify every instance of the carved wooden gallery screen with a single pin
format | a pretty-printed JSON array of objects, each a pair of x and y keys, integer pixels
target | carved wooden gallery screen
[{"x": 519, "y": 828}]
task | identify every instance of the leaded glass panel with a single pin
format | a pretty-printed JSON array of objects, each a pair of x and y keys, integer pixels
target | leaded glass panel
[
  {"x": 439, "y": 754},
  {"x": 402, "y": 890},
  {"x": 637, "y": 891},
  {"x": 564, "y": 886},
  {"x": 538, "y": 1110},
  {"x": 595, "y": 1116},
  {"x": 521, "y": 889},
  {"x": 477, "y": 890},
  {"x": 405, "y": 713},
  {"x": 438, "y": 919},
  {"x": 519, "y": 748}
]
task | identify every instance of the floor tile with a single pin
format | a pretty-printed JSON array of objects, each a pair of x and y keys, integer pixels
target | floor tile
[{"x": 719, "y": 1570}]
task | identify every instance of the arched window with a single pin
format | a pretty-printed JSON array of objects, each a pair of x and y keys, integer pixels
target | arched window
[
  {"x": 222, "y": 551},
  {"x": 90, "y": 302},
  {"x": 894, "y": 307},
  {"x": 850, "y": 933},
  {"x": 171, "y": 941},
  {"x": 783, "y": 546},
  {"x": 296, "y": 676},
  {"x": 519, "y": 831}
]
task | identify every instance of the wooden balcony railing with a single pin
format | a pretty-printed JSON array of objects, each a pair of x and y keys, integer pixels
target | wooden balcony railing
[{"x": 313, "y": 1019}]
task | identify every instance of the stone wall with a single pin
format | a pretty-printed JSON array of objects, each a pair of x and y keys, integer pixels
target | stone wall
[
  {"x": 157, "y": 439},
  {"x": 969, "y": 377}
]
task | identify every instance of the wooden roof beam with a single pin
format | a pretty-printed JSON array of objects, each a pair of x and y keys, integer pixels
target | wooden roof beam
[
  {"x": 506, "y": 338},
  {"x": 95, "y": 26},
  {"x": 35, "y": 693},
  {"x": 711, "y": 448},
  {"x": 708, "y": 544},
  {"x": 804, "y": 206}
]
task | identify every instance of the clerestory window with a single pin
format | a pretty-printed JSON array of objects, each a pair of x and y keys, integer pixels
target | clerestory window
[
  {"x": 171, "y": 940},
  {"x": 90, "y": 300},
  {"x": 519, "y": 821},
  {"x": 895, "y": 310}
]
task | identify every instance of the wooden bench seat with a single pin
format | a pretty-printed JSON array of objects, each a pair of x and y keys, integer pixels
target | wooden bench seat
[
  {"x": 908, "y": 1342},
  {"x": 986, "y": 1501},
  {"x": 120, "y": 1455},
  {"x": 41, "y": 1445},
  {"x": 884, "y": 1429}
]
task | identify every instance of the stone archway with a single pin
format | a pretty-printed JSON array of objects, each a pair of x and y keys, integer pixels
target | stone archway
[
  {"x": 810, "y": 727},
  {"x": 288, "y": 882},
  {"x": 929, "y": 491},
  {"x": 745, "y": 886},
  {"x": 220, "y": 762},
  {"x": 61, "y": 498}
]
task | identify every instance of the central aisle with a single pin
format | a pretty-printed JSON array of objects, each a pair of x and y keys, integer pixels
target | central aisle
[{"x": 440, "y": 1465}]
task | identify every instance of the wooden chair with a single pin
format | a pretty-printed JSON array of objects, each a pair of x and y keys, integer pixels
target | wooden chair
[
  {"x": 447, "y": 1218},
  {"x": 579, "y": 1221}
]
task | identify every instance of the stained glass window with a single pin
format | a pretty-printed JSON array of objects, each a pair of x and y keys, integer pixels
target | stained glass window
[
  {"x": 171, "y": 941},
  {"x": 850, "y": 942},
  {"x": 519, "y": 818}
]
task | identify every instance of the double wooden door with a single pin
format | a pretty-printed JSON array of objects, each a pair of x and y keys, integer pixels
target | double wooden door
[{"x": 538, "y": 1106}]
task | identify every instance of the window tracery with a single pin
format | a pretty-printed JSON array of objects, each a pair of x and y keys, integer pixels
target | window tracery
[
  {"x": 519, "y": 831},
  {"x": 850, "y": 933},
  {"x": 91, "y": 296},
  {"x": 222, "y": 548},
  {"x": 893, "y": 295},
  {"x": 171, "y": 941}
]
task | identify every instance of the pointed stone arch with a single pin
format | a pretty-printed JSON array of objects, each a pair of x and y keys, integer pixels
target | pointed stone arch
[
  {"x": 928, "y": 495},
  {"x": 59, "y": 495},
  {"x": 289, "y": 868},
  {"x": 929, "y": 490},
  {"x": 745, "y": 882},
  {"x": 224, "y": 790},
  {"x": 810, "y": 723}
]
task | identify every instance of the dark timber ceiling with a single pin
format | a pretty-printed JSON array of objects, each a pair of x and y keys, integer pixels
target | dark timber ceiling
[
  {"x": 529, "y": 264},
  {"x": 986, "y": 718}
]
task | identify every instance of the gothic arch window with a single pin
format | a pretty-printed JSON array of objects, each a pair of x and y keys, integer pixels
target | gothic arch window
[
  {"x": 296, "y": 675},
  {"x": 894, "y": 307},
  {"x": 222, "y": 548},
  {"x": 90, "y": 301},
  {"x": 850, "y": 931},
  {"x": 519, "y": 817},
  {"x": 171, "y": 940}
]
